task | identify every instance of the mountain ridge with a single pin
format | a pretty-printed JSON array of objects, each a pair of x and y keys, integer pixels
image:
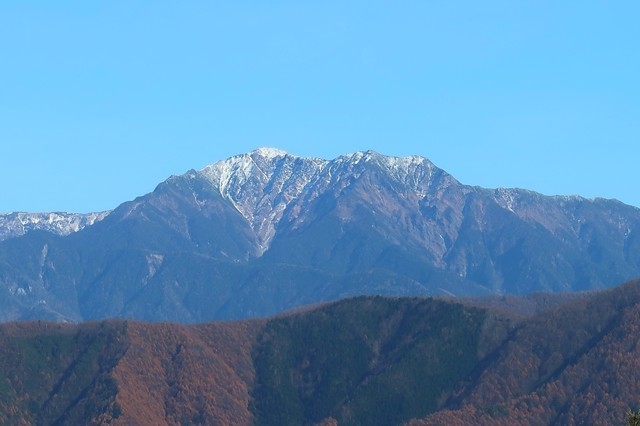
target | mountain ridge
[
  {"x": 266, "y": 231},
  {"x": 362, "y": 360},
  {"x": 65, "y": 223},
  {"x": 16, "y": 224}
]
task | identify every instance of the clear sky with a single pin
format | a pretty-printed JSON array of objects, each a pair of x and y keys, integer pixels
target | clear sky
[{"x": 102, "y": 100}]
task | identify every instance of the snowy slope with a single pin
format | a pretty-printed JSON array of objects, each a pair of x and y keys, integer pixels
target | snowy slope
[
  {"x": 264, "y": 183},
  {"x": 19, "y": 223}
]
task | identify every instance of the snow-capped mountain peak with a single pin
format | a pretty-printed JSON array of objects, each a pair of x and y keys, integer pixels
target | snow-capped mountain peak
[
  {"x": 269, "y": 153},
  {"x": 415, "y": 173},
  {"x": 261, "y": 184},
  {"x": 363, "y": 223}
]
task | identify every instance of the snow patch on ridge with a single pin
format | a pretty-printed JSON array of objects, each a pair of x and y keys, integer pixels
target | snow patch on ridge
[
  {"x": 507, "y": 198},
  {"x": 19, "y": 223},
  {"x": 261, "y": 184},
  {"x": 415, "y": 172},
  {"x": 270, "y": 152}
]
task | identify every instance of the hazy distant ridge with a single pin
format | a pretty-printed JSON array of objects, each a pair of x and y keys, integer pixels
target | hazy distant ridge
[
  {"x": 17, "y": 224},
  {"x": 266, "y": 231}
]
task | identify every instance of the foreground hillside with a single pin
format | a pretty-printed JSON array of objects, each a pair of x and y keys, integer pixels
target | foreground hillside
[
  {"x": 264, "y": 232},
  {"x": 577, "y": 364},
  {"x": 126, "y": 373},
  {"x": 367, "y": 360}
]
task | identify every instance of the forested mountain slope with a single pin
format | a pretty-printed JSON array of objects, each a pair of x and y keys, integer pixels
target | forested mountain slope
[{"x": 365, "y": 360}]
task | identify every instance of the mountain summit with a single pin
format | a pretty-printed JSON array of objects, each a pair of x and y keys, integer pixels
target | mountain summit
[
  {"x": 263, "y": 184},
  {"x": 265, "y": 231}
]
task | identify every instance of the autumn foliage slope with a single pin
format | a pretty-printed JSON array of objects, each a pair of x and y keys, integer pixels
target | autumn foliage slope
[{"x": 366, "y": 360}]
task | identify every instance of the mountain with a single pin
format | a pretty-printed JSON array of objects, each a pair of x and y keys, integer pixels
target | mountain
[
  {"x": 363, "y": 360},
  {"x": 266, "y": 231},
  {"x": 576, "y": 364},
  {"x": 19, "y": 223},
  {"x": 125, "y": 373}
]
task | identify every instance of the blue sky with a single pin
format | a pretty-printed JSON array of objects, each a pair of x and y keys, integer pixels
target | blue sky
[{"x": 100, "y": 101}]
